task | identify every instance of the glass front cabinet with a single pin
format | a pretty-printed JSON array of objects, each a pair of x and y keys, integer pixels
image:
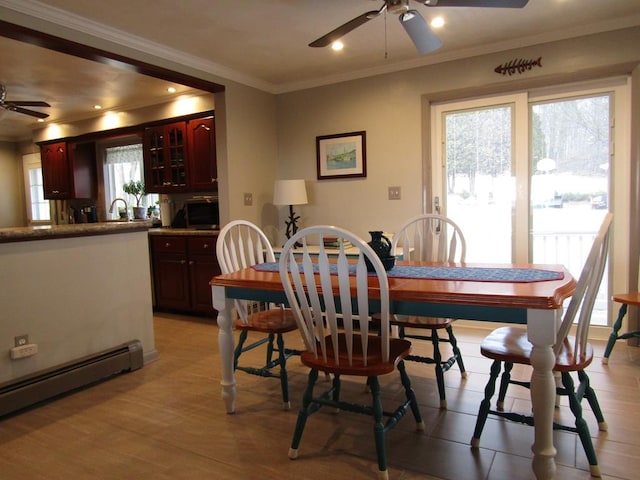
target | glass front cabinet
[{"x": 165, "y": 156}]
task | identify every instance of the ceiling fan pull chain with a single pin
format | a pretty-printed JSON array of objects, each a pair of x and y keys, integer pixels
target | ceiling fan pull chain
[{"x": 385, "y": 35}]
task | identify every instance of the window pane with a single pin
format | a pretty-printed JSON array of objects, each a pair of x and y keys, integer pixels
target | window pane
[
  {"x": 123, "y": 164},
  {"x": 570, "y": 183},
  {"x": 479, "y": 183},
  {"x": 39, "y": 206}
]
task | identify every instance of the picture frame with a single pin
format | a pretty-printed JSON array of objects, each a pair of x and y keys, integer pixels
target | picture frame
[{"x": 343, "y": 155}]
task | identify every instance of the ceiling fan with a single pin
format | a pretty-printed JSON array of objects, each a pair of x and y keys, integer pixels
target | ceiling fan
[
  {"x": 17, "y": 106},
  {"x": 414, "y": 24}
]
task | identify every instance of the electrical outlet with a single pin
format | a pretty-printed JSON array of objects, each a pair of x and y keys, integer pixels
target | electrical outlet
[
  {"x": 248, "y": 199},
  {"x": 24, "y": 351},
  {"x": 20, "y": 340},
  {"x": 394, "y": 193}
]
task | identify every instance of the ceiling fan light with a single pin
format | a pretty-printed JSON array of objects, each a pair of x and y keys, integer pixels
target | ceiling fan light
[{"x": 421, "y": 35}]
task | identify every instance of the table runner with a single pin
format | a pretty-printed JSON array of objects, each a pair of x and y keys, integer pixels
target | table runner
[{"x": 475, "y": 274}]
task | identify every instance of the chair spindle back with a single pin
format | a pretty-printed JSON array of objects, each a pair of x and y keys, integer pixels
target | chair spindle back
[
  {"x": 585, "y": 293},
  {"x": 430, "y": 237},
  {"x": 326, "y": 295},
  {"x": 242, "y": 244}
]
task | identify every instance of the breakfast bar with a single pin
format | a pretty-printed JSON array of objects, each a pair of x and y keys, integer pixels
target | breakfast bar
[{"x": 74, "y": 290}]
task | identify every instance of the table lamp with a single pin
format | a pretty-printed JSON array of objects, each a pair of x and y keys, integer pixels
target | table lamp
[{"x": 290, "y": 192}]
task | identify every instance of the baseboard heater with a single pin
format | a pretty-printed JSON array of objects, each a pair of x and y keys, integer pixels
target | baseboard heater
[{"x": 37, "y": 387}]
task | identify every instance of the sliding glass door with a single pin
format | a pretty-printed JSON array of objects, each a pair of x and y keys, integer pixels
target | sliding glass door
[{"x": 525, "y": 177}]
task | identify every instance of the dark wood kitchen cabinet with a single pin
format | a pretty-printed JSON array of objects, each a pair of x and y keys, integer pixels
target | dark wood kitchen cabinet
[
  {"x": 181, "y": 157},
  {"x": 165, "y": 158},
  {"x": 182, "y": 268},
  {"x": 68, "y": 170},
  {"x": 203, "y": 166}
]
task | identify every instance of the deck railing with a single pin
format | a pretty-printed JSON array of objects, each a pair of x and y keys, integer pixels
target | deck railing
[{"x": 571, "y": 250}]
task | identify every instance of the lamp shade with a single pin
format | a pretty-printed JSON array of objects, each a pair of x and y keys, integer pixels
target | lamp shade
[{"x": 289, "y": 192}]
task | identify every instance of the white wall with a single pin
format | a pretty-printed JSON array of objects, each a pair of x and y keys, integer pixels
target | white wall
[
  {"x": 247, "y": 159},
  {"x": 390, "y": 109}
]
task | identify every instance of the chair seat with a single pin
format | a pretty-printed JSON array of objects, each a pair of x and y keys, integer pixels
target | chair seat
[
  {"x": 510, "y": 344},
  {"x": 398, "y": 349},
  {"x": 411, "y": 321},
  {"x": 274, "y": 320}
]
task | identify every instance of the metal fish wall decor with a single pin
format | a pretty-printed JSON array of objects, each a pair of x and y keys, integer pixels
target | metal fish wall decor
[{"x": 518, "y": 65}]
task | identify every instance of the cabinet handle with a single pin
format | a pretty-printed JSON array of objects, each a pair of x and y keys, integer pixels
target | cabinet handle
[
  {"x": 191, "y": 262},
  {"x": 206, "y": 245},
  {"x": 182, "y": 262},
  {"x": 167, "y": 245},
  {"x": 56, "y": 191}
]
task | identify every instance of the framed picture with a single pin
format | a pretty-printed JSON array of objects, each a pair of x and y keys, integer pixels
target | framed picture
[{"x": 341, "y": 156}]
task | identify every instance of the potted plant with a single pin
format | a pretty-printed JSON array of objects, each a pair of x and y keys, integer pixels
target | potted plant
[{"x": 136, "y": 188}]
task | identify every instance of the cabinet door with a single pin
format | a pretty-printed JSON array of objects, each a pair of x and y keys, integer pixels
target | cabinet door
[
  {"x": 153, "y": 153},
  {"x": 203, "y": 167},
  {"x": 55, "y": 171},
  {"x": 176, "y": 155},
  {"x": 203, "y": 266},
  {"x": 82, "y": 163},
  {"x": 170, "y": 272},
  {"x": 165, "y": 158},
  {"x": 171, "y": 281}
]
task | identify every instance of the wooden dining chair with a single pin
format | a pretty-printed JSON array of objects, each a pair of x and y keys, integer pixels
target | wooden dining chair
[
  {"x": 509, "y": 346},
  {"x": 242, "y": 244},
  {"x": 625, "y": 299},
  {"x": 331, "y": 303},
  {"x": 433, "y": 238}
]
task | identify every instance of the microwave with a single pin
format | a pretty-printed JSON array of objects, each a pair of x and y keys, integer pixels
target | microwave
[{"x": 202, "y": 213}]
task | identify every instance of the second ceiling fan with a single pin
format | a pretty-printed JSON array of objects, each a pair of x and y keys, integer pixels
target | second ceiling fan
[
  {"x": 18, "y": 106},
  {"x": 414, "y": 24}
]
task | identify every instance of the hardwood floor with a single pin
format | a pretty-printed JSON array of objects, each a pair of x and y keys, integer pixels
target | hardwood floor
[{"x": 167, "y": 421}]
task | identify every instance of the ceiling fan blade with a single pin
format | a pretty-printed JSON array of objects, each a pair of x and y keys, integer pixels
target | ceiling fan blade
[
  {"x": 342, "y": 30},
  {"x": 28, "y": 104},
  {"x": 423, "y": 38},
  {"x": 476, "y": 3},
  {"x": 32, "y": 113}
]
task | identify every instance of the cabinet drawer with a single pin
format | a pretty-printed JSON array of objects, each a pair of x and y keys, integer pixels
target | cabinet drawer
[
  {"x": 162, "y": 243},
  {"x": 202, "y": 245}
]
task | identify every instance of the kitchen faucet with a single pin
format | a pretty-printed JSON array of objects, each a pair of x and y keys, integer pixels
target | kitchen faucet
[{"x": 126, "y": 207}]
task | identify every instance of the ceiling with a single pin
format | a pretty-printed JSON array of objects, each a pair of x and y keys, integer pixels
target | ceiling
[{"x": 263, "y": 44}]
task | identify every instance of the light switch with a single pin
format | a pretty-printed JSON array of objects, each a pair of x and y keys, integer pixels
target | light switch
[
  {"x": 248, "y": 199},
  {"x": 394, "y": 193}
]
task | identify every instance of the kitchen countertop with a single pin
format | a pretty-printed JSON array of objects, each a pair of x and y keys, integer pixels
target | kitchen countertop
[
  {"x": 181, "y": 231},
  {"x": 47, "y": 232}
]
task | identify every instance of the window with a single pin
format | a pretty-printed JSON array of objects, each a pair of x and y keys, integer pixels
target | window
[
  {"x": 37, "y": 207},
  {"x": 122, "y": 164}
]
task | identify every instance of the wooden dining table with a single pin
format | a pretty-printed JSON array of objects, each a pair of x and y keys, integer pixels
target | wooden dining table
[{"x": 485, "y": 292}]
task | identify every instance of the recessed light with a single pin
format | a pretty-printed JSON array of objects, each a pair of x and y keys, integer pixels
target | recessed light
[
  {"x": 437, "y": 22},
  {"x": 171, "y": 90},
  {"x": 337, "y": 45},
  {"x": 97, "y": 107},
  {"x": 41, "y": 120}
]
